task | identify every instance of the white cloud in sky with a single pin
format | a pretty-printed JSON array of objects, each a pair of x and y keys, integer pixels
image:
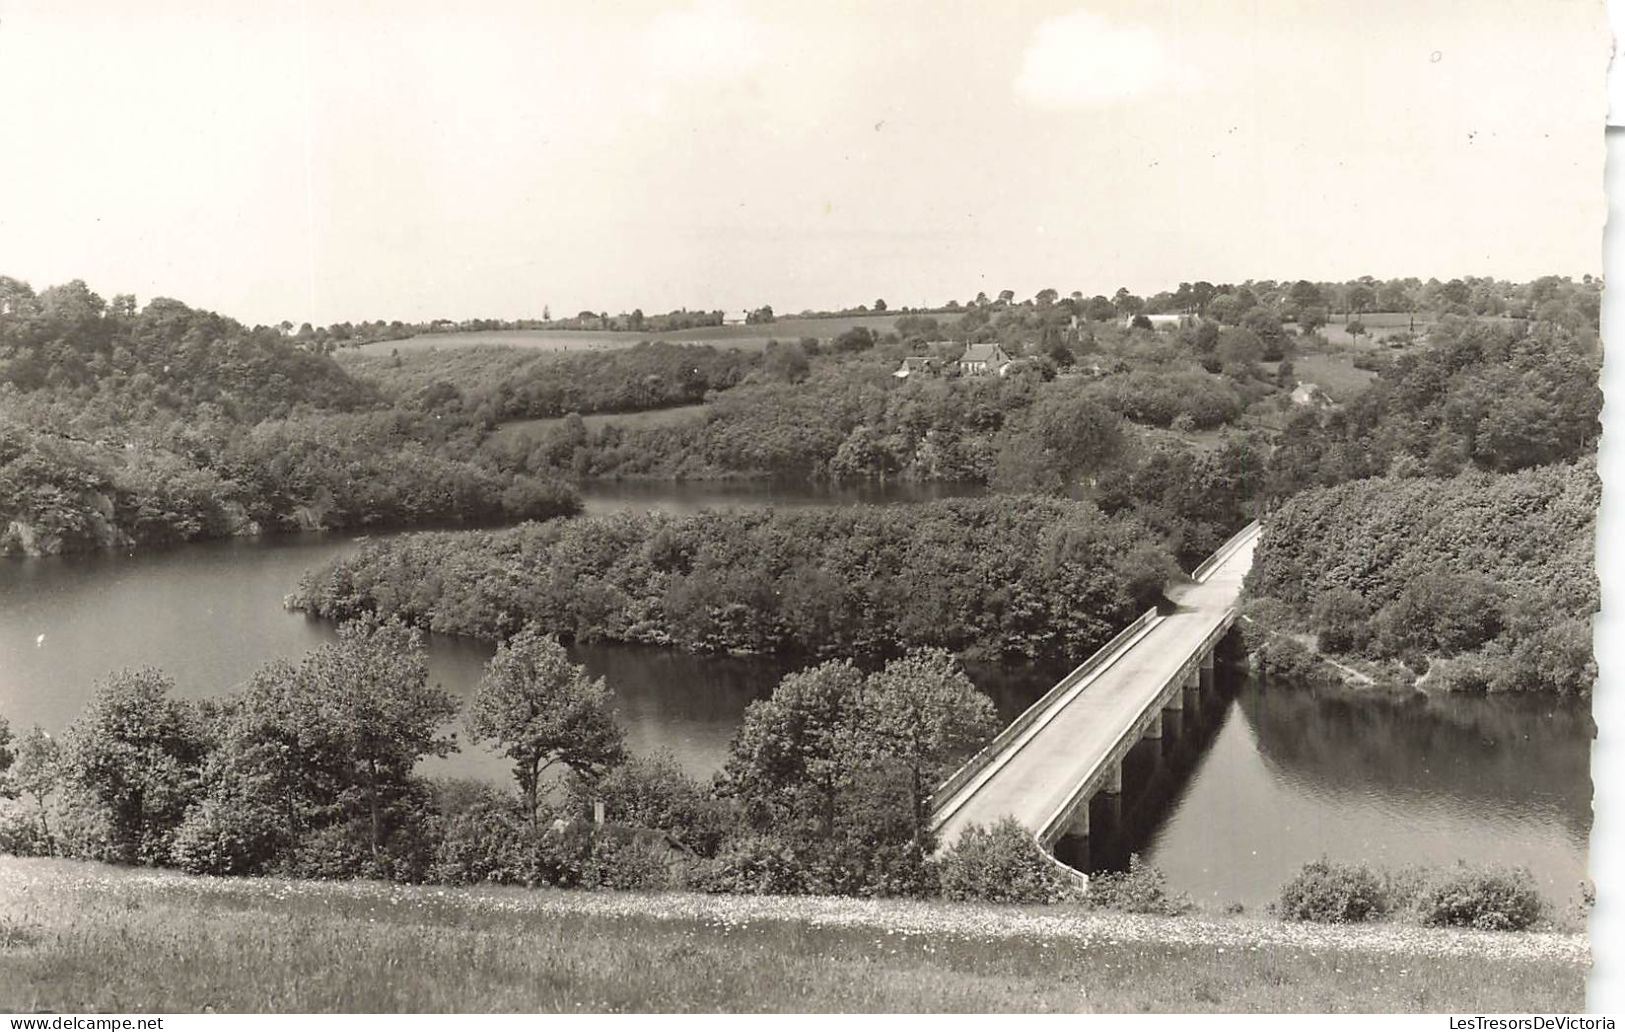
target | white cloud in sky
[{"x": 1082, "y": 59}]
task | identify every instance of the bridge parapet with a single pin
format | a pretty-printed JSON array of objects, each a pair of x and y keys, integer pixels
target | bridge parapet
[
  {"x": 1004, "y": 739},
  {"x": 1098, "y": 774}
]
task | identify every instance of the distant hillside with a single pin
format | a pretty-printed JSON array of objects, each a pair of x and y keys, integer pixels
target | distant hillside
[
  {"x": 749, "y": 337},
  {"x": 69, "y": 341}
]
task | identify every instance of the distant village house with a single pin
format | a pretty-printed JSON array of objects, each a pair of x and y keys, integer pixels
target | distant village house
[
  {"x": 982, "y": 359},
  {"x": 919, "y": 365}
]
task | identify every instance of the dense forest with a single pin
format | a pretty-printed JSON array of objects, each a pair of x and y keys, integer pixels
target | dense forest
[
  {"x": 124, "y": 428},
  {"x": 1004, "y": 577},
  {"x": 1486, "y": 582}
]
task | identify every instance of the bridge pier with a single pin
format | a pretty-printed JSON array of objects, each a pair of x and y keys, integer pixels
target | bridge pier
[
  {"x": 1079, "y": 826},
  {"x": 1080, "y": 737}
]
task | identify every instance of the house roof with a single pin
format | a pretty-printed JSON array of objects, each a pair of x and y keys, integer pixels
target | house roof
[{"x": 984, "y": 353}]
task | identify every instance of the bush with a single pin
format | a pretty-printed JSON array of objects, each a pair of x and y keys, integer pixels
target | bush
[
  {"x": 479, "y": 834},
  {"x": 1342, "y": 620},
  {"x": 1001, "y": 864},
  {"x": 756, "y": 865},
  {"x": 222, "y": 835},
  {"x": 1333, "y": 893},
  {"x": 1141, "y": 889},
  {"x": 1489, "y": 899}
]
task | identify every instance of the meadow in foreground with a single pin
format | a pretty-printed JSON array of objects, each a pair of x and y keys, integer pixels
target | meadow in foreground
[{"x": 76, "y": 936}]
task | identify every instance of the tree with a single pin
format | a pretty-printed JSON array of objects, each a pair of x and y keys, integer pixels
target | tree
[
  {"x": 922, "y": 711},
  {"x": 1311, "y": 318},
  {"x": 7, "y": 757},
  {"x": 1359, "y": 298},
  {"x": 371, "y": 690},
  {"x": 1006, "y": 297},
  {"x": 880, "y": 304},
  {"x": 786, "y": 361},
  {"x": 857, "y": 338},
  {"x": 1304, "y": 294},
  {"x": 134, "y": 753},
  {"x": 794, "y": 752},
  {"x": 35, "y": 775},
  {"x": 1046, "y": 297},
  {"x": 1127, "y": 304},
  {"x": 1239, "y": 348},
  {"x": 542, "y": 709},
  {"x": 1355, "y": 328}
]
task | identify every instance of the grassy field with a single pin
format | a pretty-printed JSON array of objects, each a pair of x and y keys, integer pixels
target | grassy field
[
  {"x": 738, "y": 336},
  {"x": 1377, "y": 325},
  {"x": 1334, "y": 372},
  {"x": 85, "y": 937},
  {"x": 676, "y": 416}
]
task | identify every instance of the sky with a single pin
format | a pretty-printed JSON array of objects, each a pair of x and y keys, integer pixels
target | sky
[{"x": 349, "y": 160}]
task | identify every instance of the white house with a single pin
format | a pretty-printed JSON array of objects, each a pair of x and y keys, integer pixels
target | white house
[{"x": 981, "y": 359}]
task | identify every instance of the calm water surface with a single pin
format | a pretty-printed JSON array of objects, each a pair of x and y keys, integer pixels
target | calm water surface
[{"x": 1250, "y": 783}]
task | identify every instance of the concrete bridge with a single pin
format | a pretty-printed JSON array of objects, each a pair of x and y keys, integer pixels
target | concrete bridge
[{"x": 1069, "y": 745}]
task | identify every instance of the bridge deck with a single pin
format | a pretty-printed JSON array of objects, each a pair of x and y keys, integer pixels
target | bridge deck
[{"x": 1040, "y": 773}]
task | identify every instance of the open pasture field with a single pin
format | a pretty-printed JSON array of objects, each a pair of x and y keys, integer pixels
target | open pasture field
[
  {"x": 88, "y": 937},
  {"x": 1334, "y": 371},
  {"x": 676, "y": 416},
  {"x": 737, "y": 336},
  {"x": 1377, "y": 325}
]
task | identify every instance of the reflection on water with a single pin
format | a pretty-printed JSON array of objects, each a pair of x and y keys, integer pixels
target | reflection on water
[
  {"x": 1259, "y": 780},
  {"x": 1246, "y": 786}
]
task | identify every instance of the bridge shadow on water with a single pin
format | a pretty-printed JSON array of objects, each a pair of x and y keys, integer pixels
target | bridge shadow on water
[{"x": 1156, "y": 771}]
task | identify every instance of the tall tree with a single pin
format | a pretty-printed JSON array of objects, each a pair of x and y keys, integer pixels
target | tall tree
[
  {"x": 135, "y": 753},
  {"x": 371, "y": 690},
  {"x": 794, "y": 753},
  {"x": 542, "y": 709},
  {"x": 923, "y": 712}
]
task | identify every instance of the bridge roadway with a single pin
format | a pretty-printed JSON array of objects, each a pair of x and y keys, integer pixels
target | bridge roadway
[{"x": 1047, "y": 765}]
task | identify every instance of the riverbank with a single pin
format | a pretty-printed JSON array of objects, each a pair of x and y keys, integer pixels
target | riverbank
[{"x": 81, "y": 936}]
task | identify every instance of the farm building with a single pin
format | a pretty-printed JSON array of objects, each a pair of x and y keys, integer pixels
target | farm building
[
  {"x": 919, "y": 365},
  {"x": 1310, "y": 395},
  {"x": 981, "y": 359}
]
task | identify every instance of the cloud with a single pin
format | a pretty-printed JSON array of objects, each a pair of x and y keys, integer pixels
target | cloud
[{"x": 1082, "y": 59}]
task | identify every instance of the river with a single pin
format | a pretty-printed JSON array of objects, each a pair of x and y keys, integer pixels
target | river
[{"x": 1249, "y": 784}]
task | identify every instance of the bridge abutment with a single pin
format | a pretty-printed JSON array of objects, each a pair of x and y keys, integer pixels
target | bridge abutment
[{"x": 1154, "y": 729}]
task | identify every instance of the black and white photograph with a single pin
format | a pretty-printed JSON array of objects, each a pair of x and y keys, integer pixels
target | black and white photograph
[{"x": 740, "y": 506}]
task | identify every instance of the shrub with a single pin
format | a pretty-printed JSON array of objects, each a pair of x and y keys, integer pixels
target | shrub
[
  {"x": 1489, "y": 899},
  {"x": 479, "y": 834},
  {"x": 622, "y": 859},
  {"x": 1343, "y": 621},
  {"x": 1333, "y": 893},
  {"x": 1141, "y": 889},
  {"x": 653, "y": 792},
  {"x": 756, "y": 864},
  {"x": 222, "y": 835},
  {"x": 20, "y": 833},
  {"x": 1001, "y": 864}
]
